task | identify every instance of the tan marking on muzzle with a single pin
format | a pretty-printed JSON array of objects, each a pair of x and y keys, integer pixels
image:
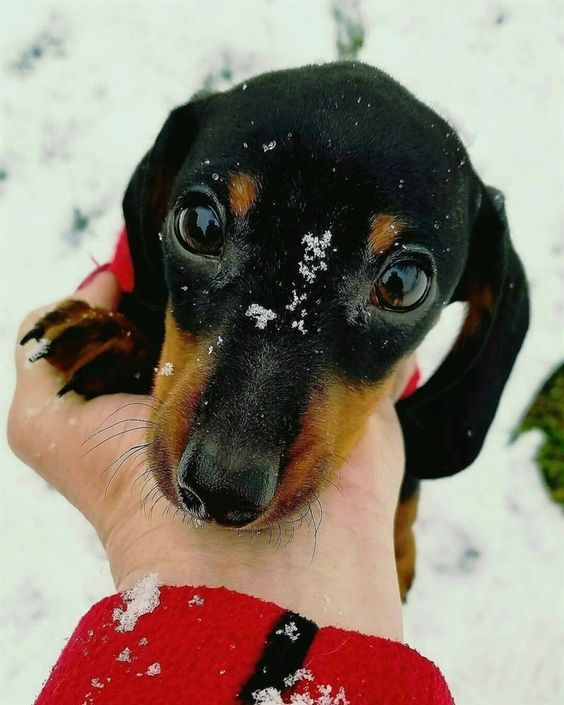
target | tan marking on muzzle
[
  {"x": 331, "y": 426},
  {"x": 180, "y": 378}
]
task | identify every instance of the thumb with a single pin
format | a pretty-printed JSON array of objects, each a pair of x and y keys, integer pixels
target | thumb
[{"x": 99, "y": 289}]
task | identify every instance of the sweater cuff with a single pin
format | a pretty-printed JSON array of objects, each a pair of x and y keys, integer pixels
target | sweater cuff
[{"x": 178, "y": 645}]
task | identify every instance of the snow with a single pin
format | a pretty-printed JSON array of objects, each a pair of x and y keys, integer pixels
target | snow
[
  {"x": 124, "y": 655},
  {"x": 268, "y": 696},
  {"x": 312, "y": 262},
  {"x": 295, "y": 300},
  {"x": 141, "y": 599},
  {"x": 196, "y": 601},
  {"x": 290, "y": 630},
  {"x": 261, "y": 315},
  {"x": 314, "y": 255},
  {"x": 40, "y": 349},
  {"x": 300, "y": 675},
  {"x": 323, "y": 696},
  {"x": 485, "y": 601},
  {"x": 154, "y": 669},
  {"x": 165, "y": 370}
]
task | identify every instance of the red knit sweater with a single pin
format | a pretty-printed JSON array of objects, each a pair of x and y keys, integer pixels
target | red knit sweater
[{"x": 211, "y": 646}]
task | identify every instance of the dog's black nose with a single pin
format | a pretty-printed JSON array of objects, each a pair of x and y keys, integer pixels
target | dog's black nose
[{"x": 231, "y": 488}]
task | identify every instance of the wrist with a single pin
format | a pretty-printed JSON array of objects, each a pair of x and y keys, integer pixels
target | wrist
[{"x": 356, "y": 589}]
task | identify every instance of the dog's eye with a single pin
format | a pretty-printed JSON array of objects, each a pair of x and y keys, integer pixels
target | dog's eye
[
  {"x": 198, "y": 229},
  {"x": 402, "y": 285}
]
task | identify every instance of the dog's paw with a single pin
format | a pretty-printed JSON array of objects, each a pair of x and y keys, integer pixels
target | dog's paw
[{"x": 97, "y": 351}]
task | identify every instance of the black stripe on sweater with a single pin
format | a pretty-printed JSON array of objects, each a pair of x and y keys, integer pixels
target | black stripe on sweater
[{"x": 285, "y": 650}]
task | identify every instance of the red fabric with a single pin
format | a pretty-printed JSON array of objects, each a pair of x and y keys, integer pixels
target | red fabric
[
  {"x": 121, "y": 265},
  {"x": 373, "y": 671},
  {"x": 412, "y": 384},
  {"x": 206, "y": 649}
]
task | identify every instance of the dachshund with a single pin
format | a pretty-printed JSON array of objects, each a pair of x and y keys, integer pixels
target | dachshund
[{"x": 293, "y": 241}]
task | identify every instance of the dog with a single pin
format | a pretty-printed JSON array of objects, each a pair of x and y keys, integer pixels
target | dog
[{"x": 293, "y": 241}]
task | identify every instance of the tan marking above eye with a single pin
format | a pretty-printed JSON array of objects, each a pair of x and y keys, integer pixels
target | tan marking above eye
[
  {"x": 243, "y": 191},
  {"x": 384, "y": 231}
]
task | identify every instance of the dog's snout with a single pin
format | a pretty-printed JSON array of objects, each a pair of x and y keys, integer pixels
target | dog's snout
[{"x": 233, "y": 489}]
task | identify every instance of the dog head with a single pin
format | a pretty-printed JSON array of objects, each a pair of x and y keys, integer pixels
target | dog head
[{"x": 302, "y": 233}]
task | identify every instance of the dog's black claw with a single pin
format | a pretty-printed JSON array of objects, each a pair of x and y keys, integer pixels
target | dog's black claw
[
  {"x": 68, "y": 387},
  {"x": 34, "y": 333}
]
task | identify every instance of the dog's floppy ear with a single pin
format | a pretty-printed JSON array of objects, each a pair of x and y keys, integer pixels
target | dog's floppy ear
[
  {"x": 146, "y": 201},
  {"x": 446, "y": 421}
]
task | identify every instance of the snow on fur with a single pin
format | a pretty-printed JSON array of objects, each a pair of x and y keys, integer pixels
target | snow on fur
[
  {"x": 261, "y": 315},
  {"x": 313, "y": 261}
]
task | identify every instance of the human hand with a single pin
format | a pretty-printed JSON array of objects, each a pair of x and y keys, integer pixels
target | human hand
[{"x": 338, "y": 569}]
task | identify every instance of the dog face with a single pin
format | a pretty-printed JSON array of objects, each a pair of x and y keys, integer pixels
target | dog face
[{"x": 302, "y": 233}]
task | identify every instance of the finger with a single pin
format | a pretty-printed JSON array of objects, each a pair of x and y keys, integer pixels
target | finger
[
  {"x": 102, "y": 291},
  {"x": 36, "y": 411},
  {"x": 404, "y": 373},
  {"x": 37, "y": 415},
  {"x": 37, "y": 382}
]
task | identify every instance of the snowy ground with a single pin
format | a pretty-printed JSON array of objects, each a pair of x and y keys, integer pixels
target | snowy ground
[{"x": 85, "y": 88}]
